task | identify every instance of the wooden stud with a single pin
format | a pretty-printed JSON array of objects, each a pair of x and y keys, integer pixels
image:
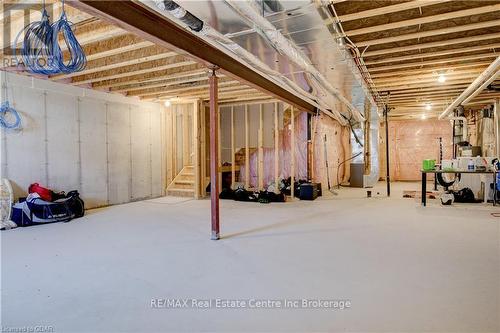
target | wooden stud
[
  {"x": 185, "y": 137},
  {"x": 169, "y": 148},
  {"x": 196, "y": 149},
  {"x": 174, "y": 141},
  {"x": 260, "y": 171},
  {"x": 233, "y": 152},
  {"x": 247, "y": 150},
  {"x": 203, "y": 148},
  {"x": 276, "y": 147},
  {"x": 292, "y": 152}
]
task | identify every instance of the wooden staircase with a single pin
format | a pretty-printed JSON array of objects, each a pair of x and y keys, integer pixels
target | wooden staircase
[{"x": 183, "y": 183}]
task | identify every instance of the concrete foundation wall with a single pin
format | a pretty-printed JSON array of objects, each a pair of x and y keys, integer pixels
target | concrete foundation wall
[{"x": 106, "y": 146}]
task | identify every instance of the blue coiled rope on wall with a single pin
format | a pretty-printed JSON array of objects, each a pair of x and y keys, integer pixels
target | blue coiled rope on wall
[{"x": 41, "y": 52}]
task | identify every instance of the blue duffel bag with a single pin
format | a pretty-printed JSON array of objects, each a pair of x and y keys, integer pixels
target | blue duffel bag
[{"x": 37, "y": 211}]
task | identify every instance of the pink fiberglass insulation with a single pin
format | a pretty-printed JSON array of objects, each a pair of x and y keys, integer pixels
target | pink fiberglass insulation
[
  {"x": 412, "y": 141},
  {"x": 284, "y": 155},
  {"x": 337, "y": 147}
]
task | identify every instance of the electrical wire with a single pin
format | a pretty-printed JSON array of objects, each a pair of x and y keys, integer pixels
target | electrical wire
[
  {"x": 77, "y": 60},
  {"x": 37, "y": 50},
  {"x": 41, "y": 53}
]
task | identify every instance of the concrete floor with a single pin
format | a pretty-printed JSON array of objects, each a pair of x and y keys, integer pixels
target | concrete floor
[{"x": 404, "y": 268}]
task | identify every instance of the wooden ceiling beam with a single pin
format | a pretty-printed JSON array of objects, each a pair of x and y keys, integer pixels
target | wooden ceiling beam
[
  {"x": 426, "y": 89},
  {"x": 433, "y": 62},
  {"x": 195, "y": 94},
  {"x": 98, "y": 67},
  {"x": 441, "y": 43},
  {"x": 133, "y": 72},
  {"x": 174, "y": 73},
  {"x": 114, "y": 46},
  {"x": 151, "y": 25},
  {"x": 430, "y": 76},
  {"x": 162, "y": 83},
  {"x": 159, "y": 92},
  {"x": 426, "y": 19},
  {"x": 429, "y": 33},
  {"x": 123, "y": 83},
  {"x": 490, "y": 47},
  {"x": 389, "y": 9},
  {"x": 411, "y": 80},
  {"x": 416, "y": 85},
  {"x": 425, "y": 99},
  {"x": 425, "y": 93},
  {"x": 434, "y": 70}
]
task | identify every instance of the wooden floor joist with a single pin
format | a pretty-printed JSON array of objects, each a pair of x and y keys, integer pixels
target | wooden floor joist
[{"x": 425, "y": 19}]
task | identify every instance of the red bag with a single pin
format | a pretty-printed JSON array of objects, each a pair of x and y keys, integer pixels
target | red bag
[{"x": 45, "y": 193}]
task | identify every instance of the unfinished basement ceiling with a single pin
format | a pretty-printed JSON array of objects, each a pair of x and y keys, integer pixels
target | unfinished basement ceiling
[
  {"x": 301, "y": 22},
  {"x": 120, "y": 62},
  {"x": 406, "y": 45}
]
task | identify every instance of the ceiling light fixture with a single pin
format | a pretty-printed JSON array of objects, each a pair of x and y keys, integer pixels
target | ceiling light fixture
[
  {"x": 168, "y": 103},
  {"x": 428, "y": 107},
  {"x": 441, "y": 78}
]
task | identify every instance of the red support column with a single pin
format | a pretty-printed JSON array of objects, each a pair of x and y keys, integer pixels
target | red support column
[{"x": 214, "y": 157}]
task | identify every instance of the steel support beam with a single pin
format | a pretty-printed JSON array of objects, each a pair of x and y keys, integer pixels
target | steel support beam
[
  {"x": 150, "y": 25},
  {"x": 214, "y": 158}
]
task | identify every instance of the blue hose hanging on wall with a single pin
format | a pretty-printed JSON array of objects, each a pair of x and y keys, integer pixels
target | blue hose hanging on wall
[
  {"x": 37, "y": 49},
  {"x": 7, "y": 112},
  {"x": 41, "y": 52},
  {"x": 77, "y": 61}
]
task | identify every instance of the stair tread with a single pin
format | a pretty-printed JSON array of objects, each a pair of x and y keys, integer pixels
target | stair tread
[
  {"x": 184, "y": 181},
  {"x": 181, "y": 189}
]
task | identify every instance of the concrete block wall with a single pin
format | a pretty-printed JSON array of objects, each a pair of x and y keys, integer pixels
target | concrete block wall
[{"x": 109, "y": 147}]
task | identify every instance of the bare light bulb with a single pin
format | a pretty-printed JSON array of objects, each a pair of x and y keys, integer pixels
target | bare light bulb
[
  {"x": 167, "y": 103},
  {"x": 441, "y": 78},
  {"x": 428, "y": 107}
]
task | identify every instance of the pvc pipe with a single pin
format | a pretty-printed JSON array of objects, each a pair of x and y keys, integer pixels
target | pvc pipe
[
  {"x": 486, "y": 75},
  {"x": 481, "y": 88}
]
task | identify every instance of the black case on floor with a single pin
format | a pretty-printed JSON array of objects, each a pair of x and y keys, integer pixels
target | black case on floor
[{"x": 310, "y": 191}]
